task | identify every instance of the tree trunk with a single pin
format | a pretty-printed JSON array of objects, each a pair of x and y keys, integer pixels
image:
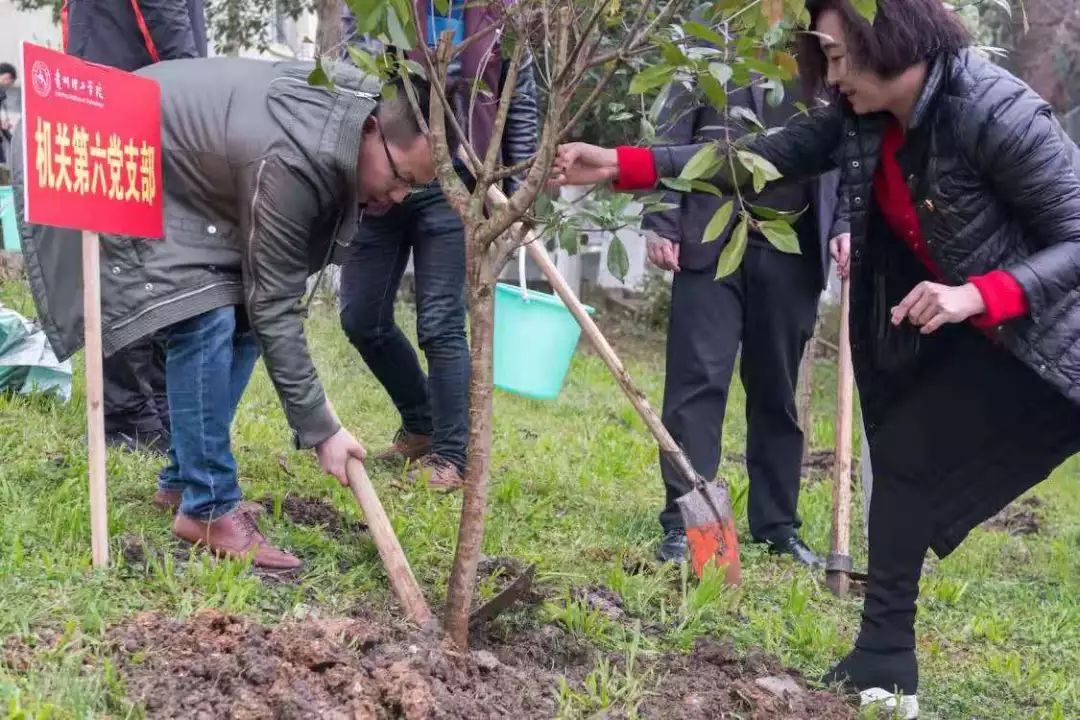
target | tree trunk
[
  {"x": 1046, "y": 56},
  {"x": 477, "y": 470},
  {"x": 330, "y": 32}
]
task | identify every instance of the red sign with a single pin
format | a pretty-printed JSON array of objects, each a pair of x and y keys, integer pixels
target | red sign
[{"x": 92, "y": 146}]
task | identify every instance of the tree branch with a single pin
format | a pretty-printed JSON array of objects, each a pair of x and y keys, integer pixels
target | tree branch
[
  {"x": 438, "y": 72},
  {"x": 493, "y": 230},
  {"x": 494, "y": 148}
]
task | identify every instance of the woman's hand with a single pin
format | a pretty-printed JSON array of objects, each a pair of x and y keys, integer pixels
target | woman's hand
[
  {"x": 663, "y": 253},
  {"x": 579, "y": 163},
  {"x": 930, "y": 305},
  {"x": 840, "y": 249}
]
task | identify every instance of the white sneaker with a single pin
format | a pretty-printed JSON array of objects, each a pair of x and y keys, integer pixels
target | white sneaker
[{"x": 898, "y": 705}]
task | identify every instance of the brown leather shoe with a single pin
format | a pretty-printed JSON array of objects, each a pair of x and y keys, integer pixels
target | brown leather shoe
[
  {"x": 407, "y": 446},
  {"x": 169, "y": 501},
  {"x": 236, "y": 536},
  {"x": 439, "y": 474}
]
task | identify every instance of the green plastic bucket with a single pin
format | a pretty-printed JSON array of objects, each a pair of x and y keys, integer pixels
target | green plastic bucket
[
  {"x": 9, "y": 231},
  {"x": 535, "y": 338}
]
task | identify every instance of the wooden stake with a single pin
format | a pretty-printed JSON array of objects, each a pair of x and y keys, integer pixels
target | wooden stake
[
  {"x": 95, "y": 403},
  {"x": 838, "y": 567},
  {"x": 401, "y": 576}
]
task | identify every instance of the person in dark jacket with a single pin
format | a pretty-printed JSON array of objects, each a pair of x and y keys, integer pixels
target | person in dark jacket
[
  {"x": 964, "y": 258},
  {"x": 254, "y": 203},
  {"x": 129, "y": 35},
  {"x": 8, "y": 76},
  {"x": 434, "y": 409},
  {"x": 767, "y": 307}
]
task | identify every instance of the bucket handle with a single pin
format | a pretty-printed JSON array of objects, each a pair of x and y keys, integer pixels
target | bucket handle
[{"x": 521, "y": 274}]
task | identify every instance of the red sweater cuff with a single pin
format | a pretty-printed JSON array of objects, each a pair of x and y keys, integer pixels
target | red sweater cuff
[
  {"x": 637, "y": 169},
  {"x": 1003, "y": 296}
]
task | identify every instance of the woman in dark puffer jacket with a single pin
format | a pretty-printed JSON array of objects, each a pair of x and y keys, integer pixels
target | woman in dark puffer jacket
[{"x": 964, "y": 256}]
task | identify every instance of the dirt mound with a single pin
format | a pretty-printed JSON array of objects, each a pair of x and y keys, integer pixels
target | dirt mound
[
  {"x": 1023, "y": 517},
  {"x": 315, "y": 512},
  {"x": 221, "y": 666},
  {"x": 714, "y": 682}
]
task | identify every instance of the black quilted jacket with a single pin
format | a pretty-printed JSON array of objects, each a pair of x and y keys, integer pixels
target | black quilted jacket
[{"x": 994, "y": 181}]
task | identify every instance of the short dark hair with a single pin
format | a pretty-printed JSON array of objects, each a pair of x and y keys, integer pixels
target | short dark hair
[
  {"x": 9, "y": 69},
  {"x": 397, "y": 120},
  {"x": 904, "y": 33}
]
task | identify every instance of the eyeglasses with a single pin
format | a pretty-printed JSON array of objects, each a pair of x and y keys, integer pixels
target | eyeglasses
[{"x": 413, "y": 187}]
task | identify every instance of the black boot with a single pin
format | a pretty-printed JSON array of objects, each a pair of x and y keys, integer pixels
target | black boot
[
  {"x": 673, "y": 546},
  {"x": 887, "y": 679},
  {"x": 796, "y": 549}
]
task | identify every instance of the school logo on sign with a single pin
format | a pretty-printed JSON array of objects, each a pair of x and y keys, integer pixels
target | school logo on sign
[{"x": 42, "y": 79}]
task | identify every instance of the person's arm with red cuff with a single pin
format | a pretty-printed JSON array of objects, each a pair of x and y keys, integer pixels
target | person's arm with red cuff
[
  {"x": 1003, "y": 297},
  {"x": 637, "y": 169}
]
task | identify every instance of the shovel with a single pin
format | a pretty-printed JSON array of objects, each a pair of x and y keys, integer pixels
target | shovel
[
  {"x": 838, "y": 566},
  {"x": 401, "y": 576},
  {"x": 706, "y": 510}
]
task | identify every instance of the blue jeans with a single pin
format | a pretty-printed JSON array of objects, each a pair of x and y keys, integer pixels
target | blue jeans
[
  {"x": 208, "y": 362},
  {"x": 426, "y": 225}
]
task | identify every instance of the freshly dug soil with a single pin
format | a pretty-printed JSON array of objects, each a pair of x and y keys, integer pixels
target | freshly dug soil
[
  {"x": 314, "y": 512},
  {"x": 220, "y": 666},
  {"x": 1023, "y": 517},
  {"x": 713, "y": 682}
]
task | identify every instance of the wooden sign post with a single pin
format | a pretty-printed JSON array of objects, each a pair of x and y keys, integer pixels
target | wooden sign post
[{"x": 92, "y": 152}]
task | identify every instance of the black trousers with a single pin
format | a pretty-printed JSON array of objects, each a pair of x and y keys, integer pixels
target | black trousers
[
  {"x": 134, "y": 388},
  {"x": 436, "y": 404},
  {"x": 768, "y": 306},
  {"x": 971, "y": 430}
]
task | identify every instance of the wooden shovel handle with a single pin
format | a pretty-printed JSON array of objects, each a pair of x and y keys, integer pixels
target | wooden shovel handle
[
  {"x": 845, "y": 390},
  {"x": 539, "y": 255},
  {"x": 402, "y": 579}
]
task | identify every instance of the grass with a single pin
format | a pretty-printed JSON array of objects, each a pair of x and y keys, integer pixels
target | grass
[{"x": 575, "y": 488}]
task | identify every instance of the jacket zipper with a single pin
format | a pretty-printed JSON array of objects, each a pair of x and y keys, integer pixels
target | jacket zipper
[
  {"x": 335, "y": 88},
  {"x": 251, "y": 235}
]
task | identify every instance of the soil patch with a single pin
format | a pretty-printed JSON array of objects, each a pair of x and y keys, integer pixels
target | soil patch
[
  {"x": 714, "y": 682},
  {"x": 221, "y": 666},
  {"x": 1023, "y": 517},
  {"x": 315, "y": 512}
]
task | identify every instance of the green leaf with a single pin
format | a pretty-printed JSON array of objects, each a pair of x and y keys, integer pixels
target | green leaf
[
  {"x": 774, "y": 94},
  {"x": 651, "y": 77},
  {"x": 866, "y": 8},
  {"x": 618, "y": 263},
  {"x": 678, "y": 184},
  {"x": 767, "y": 69},
  {"x": 701, "y": 186},
  {"x": 714, "y": 91},
  {"x": 442, "y": 6},
  {"x": 364, "y": 61},
  {"x": 767, "y": 213},
  {"x": 747, "y": 116},
  {"x": 752, "y": 161},
  {"x": 732, "y": 254},
  {"x": 759, "y": 179},
  {"x": 397, "y": 31},
  {"x": 701, "y": 163},
  {"x": 721, "y": 72},
  {"x": 719, "y": 222},
  {"x": 673, "y": 54},
  {"x": 782, "y": 236},
  {"x": 702, "y": 32},
  {"x": 318, "y": 76}
]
